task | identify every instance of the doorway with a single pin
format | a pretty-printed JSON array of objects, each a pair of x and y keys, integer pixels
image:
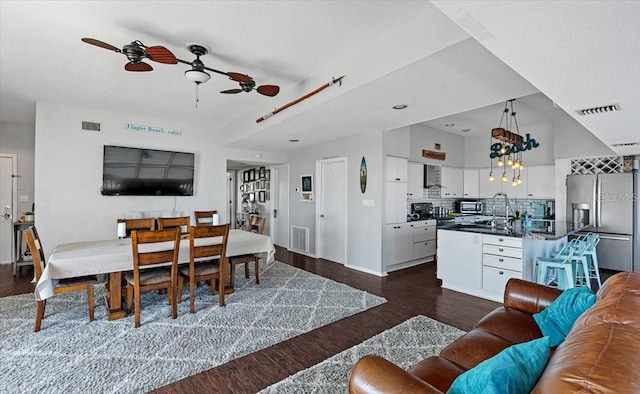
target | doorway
[
  {"x": 331, "y": 210},
  {"x": 280, "y": 212},
  {"x": 8, "y": 203}
]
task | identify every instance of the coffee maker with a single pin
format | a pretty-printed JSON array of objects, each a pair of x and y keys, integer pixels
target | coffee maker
[{"x": 421, "y": 211}]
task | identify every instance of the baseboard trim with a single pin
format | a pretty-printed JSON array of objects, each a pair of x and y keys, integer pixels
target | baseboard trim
[{"x": 366, "y": 270}]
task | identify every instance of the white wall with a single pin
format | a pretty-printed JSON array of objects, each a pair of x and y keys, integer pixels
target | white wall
[
  {"x": 68, "y": 171},
  {"x": 19, "y": 139},
  {"x": 573, "y": 140},
  {"x": 363, "y": 223},
  {"x": 423, "y": 137}
]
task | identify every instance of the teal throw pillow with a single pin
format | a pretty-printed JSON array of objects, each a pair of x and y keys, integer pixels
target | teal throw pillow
[
  {"x": 556, "y": 320},
  {"x": 514, "y": 370}
]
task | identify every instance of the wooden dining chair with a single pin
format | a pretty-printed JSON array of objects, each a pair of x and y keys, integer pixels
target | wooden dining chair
[
  {"x": 256, "y": 225},
  {"x": 138, "y": 224},
  {"x": 204, "y": 218},
  {"x": 146, "y": 274},
  {"x": 181, "y": 222},
  {"x": 84, "y": 283},
  {"x": 201, "y": 265}
]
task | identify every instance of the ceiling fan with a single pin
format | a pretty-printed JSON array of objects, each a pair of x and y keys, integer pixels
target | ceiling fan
[
  {"x": 198, "y": 75},
  {"x": 136, "y": 52}
]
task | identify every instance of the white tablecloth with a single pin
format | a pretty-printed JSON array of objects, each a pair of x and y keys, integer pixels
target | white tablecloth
[{"x": 114, "y": 255}]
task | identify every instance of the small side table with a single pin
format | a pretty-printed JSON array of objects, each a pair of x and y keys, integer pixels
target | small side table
[{"x": 18, "y": 258}]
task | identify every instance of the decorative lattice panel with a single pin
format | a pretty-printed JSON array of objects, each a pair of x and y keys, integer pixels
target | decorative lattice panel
[{"x": 597, "y": 165}]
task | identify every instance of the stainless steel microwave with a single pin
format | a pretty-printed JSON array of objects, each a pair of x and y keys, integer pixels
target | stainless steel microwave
[{"x": 468, "y": 206}]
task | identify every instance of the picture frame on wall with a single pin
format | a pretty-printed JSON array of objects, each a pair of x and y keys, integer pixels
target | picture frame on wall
[
  {"x": 267, "y": 185},
  {"x": 262, "y": 184},
  {"x": 256, "y": 185},
  {"x": 245, "y": 176},
  {"x": 306, "y": 181},
  {"x": 268, "y": 196},
  {"x": 252, "y": 175},
  {"x": 261, "y": 196},
  {"x": 261, "y": 172},
  {"x": 252, "y": 196},
  {"x": 306, "y": 187},
  {"x": 267, "y": 175}
]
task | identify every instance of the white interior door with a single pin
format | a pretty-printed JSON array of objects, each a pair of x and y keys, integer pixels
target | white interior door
[
  {"x": 331, "y": 224},
  {"x": 280, "y": 200},
  {"x": 8, "y": 204}
]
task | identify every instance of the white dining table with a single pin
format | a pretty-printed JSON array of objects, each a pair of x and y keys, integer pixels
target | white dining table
[{"x": 114, "y": 256}]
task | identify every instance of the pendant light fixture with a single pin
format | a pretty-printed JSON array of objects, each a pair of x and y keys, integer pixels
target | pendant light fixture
[{"x": 510, "y": 144}]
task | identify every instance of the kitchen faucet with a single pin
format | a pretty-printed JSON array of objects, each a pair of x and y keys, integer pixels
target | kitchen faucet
[{"x": 507, "y": 207}]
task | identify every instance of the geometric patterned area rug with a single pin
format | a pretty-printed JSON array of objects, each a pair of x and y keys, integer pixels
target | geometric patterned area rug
[
  {"x": 72, "y": 355},
  {"x": 404, "y": 345}
]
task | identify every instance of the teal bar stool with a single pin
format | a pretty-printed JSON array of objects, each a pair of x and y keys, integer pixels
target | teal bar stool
[
  {"x": 562, "y": 266},
  {"x": 579, "y": 247},
  {"x": 592, "y": 241}
]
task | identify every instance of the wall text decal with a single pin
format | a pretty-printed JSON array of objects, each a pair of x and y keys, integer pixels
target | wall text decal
[
  {"x": 528, "y": 144},
  {"x": 152, "y": 129}
]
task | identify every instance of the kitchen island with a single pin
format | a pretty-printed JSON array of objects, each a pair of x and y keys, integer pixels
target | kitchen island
[{"x": 479, "y": 260}]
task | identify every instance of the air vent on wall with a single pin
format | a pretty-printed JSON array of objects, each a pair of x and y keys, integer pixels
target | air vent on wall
[
  {"x": 90, "y": 126},
  {"x": 627, "y": 144},
  {"x": 599, "y": 110}
]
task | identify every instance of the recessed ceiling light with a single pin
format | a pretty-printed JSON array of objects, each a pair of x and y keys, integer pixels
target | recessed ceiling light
[
  {"x": 465, "y": 130},
  {"x": 400, "y": 106},
  {"x": 293, "y": 140},
  {"x": 449, "y": 124}
]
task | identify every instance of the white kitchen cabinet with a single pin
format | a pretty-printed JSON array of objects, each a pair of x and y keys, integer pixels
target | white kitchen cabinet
[
  {"x": 489, "y": 189},
  {"x": 396, "y": 202},
  {"x": 459, "y": 259},
  {"x": 501, "y": 260},
  {"x": 416, "y": 180},
  {"x": 398, "y": 243},
  {"x": 471, "y": 185},
  {"x": 424, "y": 239},
  {"x": 518, "y": 191},
  {"x": 397, "y": 169},
  {"x": 451, "y": 180},
  {"x": 541, "y": 182}
]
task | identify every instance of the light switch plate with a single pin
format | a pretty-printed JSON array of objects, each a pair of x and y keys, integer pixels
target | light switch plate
[
  {"x": 368, "y": 203},
  {"x": 24, "y": 198}
]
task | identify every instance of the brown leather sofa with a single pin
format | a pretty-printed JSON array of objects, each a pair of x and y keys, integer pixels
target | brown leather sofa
[{"x": 601, "y": 354}]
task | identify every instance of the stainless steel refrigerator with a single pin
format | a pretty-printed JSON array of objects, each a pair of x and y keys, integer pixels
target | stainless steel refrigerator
[{"x": 606, "y": 203}]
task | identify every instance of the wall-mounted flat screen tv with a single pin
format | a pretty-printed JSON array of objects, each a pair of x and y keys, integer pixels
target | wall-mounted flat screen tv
[{"x": 146, "y": 172}]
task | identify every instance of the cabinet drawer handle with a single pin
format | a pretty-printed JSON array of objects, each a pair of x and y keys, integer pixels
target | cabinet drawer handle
[
  {"x": 500, "y": 239},
  {"x": 397, "y": 179},
  {"x": 501, "y": 250},
  {"x": 501, "y": 260},
  {"x": 501, "y": 272}
]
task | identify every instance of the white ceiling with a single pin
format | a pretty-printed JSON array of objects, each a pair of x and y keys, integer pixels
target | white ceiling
[{"x": 390, "y": 52}]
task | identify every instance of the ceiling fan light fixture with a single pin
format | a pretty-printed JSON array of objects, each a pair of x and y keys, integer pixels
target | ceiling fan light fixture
[{"x": 197, "y": 76}]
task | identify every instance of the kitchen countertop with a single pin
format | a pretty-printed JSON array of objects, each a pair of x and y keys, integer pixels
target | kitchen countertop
[{"x": 562, "y": 229}]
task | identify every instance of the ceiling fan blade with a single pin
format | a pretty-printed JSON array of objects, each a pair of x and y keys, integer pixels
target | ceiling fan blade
[
  {"x": 268, "y": 90},
  {"x": 138, "y": 67},
  {"x": 161, "y": 54},
  {"x": 101, "y": 44},
  {"x": 242, "y": 78},
  {"x": 231, "y": 91}
]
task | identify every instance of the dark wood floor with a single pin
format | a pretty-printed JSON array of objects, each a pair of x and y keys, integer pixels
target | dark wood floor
[{"x": 410, "y": 292}]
